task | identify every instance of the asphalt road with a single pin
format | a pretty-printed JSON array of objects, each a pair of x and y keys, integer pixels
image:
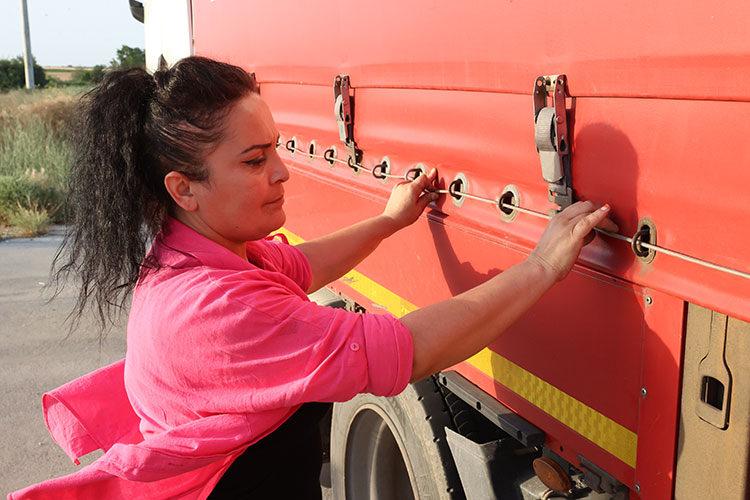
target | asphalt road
[{"x": 36, "y": 356}]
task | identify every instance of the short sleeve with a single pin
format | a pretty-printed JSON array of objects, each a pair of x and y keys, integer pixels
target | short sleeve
[
  {"x": 286, "y": 259},
  {"x": 270, "y": 348}
]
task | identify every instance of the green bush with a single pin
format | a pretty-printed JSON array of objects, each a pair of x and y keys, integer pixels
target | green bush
[
  {"x": 29, "y": 221},
  {"x": 32, "y": 192},
  {"x": 12, "y": 74},
  {"x": 88, "y": 76}
]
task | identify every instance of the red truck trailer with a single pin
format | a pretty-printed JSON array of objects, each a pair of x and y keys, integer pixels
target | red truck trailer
[{"x": 631, "y": 378}]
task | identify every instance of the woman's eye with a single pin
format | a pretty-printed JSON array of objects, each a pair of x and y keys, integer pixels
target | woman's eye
[{"x": 255, "y": 161}]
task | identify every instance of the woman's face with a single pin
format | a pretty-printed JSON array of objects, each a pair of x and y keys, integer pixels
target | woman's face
[{"x": 243, "y": 198}]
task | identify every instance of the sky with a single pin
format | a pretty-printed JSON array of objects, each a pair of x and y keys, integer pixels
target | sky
[{"x": 69, "y": 32}]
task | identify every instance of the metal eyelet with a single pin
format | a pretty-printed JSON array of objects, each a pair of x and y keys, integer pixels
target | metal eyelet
[
  {"x": 510, "y": 196},
  {"x": 460, "y": 184},
  {"x": 311, "y": 150},
  {"x": 291, "y": 145},
  {"x": 646, "y": 234}
]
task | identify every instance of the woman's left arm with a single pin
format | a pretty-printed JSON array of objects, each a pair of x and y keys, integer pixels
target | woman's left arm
[{"x": 334, "y": 255}]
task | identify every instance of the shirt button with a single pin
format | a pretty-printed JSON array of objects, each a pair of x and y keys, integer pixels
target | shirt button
[{"x": 354, "y": 346}]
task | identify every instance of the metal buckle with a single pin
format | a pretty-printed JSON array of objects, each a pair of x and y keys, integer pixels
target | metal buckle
[
  {"x": 552, "y": 137},
  {"x": 343, "y": 109}
]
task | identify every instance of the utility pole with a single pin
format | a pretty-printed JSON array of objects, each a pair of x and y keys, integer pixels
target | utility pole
[{"x": 28, "y": 62}]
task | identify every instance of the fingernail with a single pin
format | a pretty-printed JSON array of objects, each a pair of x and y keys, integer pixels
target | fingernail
[{"x": 605, "y": 208}]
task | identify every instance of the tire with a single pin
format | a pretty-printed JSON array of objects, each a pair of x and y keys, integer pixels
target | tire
[{"x": 393, "y": 448}]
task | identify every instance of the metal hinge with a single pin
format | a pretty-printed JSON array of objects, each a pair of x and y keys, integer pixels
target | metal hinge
[
  {"x": 343, "y": 109},
  {"x": 551, "y": 134}
]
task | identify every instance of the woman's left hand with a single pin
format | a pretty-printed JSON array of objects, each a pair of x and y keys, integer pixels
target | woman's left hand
[{"x": 409, "y": 199}]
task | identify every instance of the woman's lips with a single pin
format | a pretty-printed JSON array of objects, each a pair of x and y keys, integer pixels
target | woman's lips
[{"x": 277, "y": 201}]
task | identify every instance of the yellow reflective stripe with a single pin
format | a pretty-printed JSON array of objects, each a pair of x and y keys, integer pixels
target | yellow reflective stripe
[
  {"x": 290, "y": 236},
  {"x": 586, "y": 421},
  {"x": 377, "y": 293},
  {"x": 589, "y": 423}
]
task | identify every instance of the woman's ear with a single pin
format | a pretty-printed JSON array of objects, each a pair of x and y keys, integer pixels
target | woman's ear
[{"x": 179, "y": 188}]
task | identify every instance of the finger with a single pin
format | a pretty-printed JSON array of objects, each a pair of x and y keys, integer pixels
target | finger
[
  {"x": 589, "y": 238},
  {"x": 423, "y": 181},
  {"x": 587, "y": 223},
  {"x": 425, "y": 200},
  {"x": 608, "y": 225},
  {"x": 576, "y": 209}
]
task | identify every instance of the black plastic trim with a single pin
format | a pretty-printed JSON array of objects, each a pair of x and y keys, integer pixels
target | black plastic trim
[
  {"x": 136, "y": 9},
  {"x": 499, "y": 414}
]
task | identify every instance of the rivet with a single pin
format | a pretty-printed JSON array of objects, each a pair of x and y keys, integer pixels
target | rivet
[
  {"x": 644, "y": 392},
  {"x": 649, "y": 300}
]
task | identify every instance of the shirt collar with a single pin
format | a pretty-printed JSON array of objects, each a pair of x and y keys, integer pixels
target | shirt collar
[{"x": 177, "y": 240}]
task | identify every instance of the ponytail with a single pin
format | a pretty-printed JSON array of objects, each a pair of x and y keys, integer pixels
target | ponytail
[{"x": 131, "y": 130}]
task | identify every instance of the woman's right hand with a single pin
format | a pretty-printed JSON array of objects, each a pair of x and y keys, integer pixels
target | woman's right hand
[{"x": 567, "y": 232}]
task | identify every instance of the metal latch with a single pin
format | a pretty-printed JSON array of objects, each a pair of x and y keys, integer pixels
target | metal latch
[
  {"x": 715, "y": 377},
  {"x": 551, "y": 137},
  {"x": 343, "y": 109}
]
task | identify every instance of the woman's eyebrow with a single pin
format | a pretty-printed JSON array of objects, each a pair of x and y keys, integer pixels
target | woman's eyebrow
[{"x": 256, "y": 146}]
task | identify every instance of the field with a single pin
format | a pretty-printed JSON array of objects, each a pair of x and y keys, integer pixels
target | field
[
  {"x": 34, "y": 158},
  {"x": 63, "y": 73}
]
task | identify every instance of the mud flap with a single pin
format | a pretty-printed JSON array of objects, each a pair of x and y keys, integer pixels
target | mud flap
[{"x": 474, "y": 463}]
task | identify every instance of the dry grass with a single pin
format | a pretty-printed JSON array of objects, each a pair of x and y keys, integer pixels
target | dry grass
[
  {"x": 51, "y": 107},
  {"x": 27, "y": 222},
  {"x": 34, "y": 156}
]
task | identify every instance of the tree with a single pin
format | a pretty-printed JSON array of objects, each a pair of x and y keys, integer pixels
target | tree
[
  {"x": 129, "y": 57},
  {"x": 12, "y": 74},
  {"x": 88, "y": 76}
]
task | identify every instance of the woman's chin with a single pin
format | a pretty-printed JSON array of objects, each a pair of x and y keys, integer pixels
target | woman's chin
[{"x": 278, "y": 219}]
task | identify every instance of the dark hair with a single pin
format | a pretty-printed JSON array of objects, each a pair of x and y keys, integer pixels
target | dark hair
[{"x": 131, "y": 130}]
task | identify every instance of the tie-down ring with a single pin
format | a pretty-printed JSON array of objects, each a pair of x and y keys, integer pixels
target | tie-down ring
[
  {"x": 329, "y": 155},
  {"x": 382, "y": 169},
  {"x": 413, "y": 173}
]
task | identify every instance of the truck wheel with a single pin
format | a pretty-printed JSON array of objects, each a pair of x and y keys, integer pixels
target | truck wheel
[{"x": 393, "y": 448}]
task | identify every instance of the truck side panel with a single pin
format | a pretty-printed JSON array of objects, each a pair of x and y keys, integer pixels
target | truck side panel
[{"x": 660, "y": 122}]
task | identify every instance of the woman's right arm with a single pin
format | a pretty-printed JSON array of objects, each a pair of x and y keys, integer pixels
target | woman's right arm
[{"x": 451, "y": 331}]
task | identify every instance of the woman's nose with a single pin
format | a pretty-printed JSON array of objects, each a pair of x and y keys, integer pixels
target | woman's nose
[{"x": 279, "y": 172}]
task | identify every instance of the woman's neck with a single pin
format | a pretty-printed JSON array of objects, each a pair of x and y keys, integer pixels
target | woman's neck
[{"x": 194, "y": 222}]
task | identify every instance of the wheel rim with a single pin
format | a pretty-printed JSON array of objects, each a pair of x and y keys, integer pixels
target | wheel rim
[{"x": 375, "y": 462}]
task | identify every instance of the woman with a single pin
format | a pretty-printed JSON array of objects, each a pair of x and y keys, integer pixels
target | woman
[{"x": 227, "y": 361}]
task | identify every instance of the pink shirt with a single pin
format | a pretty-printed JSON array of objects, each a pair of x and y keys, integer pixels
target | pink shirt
[{"x": 221, "y": 351}]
